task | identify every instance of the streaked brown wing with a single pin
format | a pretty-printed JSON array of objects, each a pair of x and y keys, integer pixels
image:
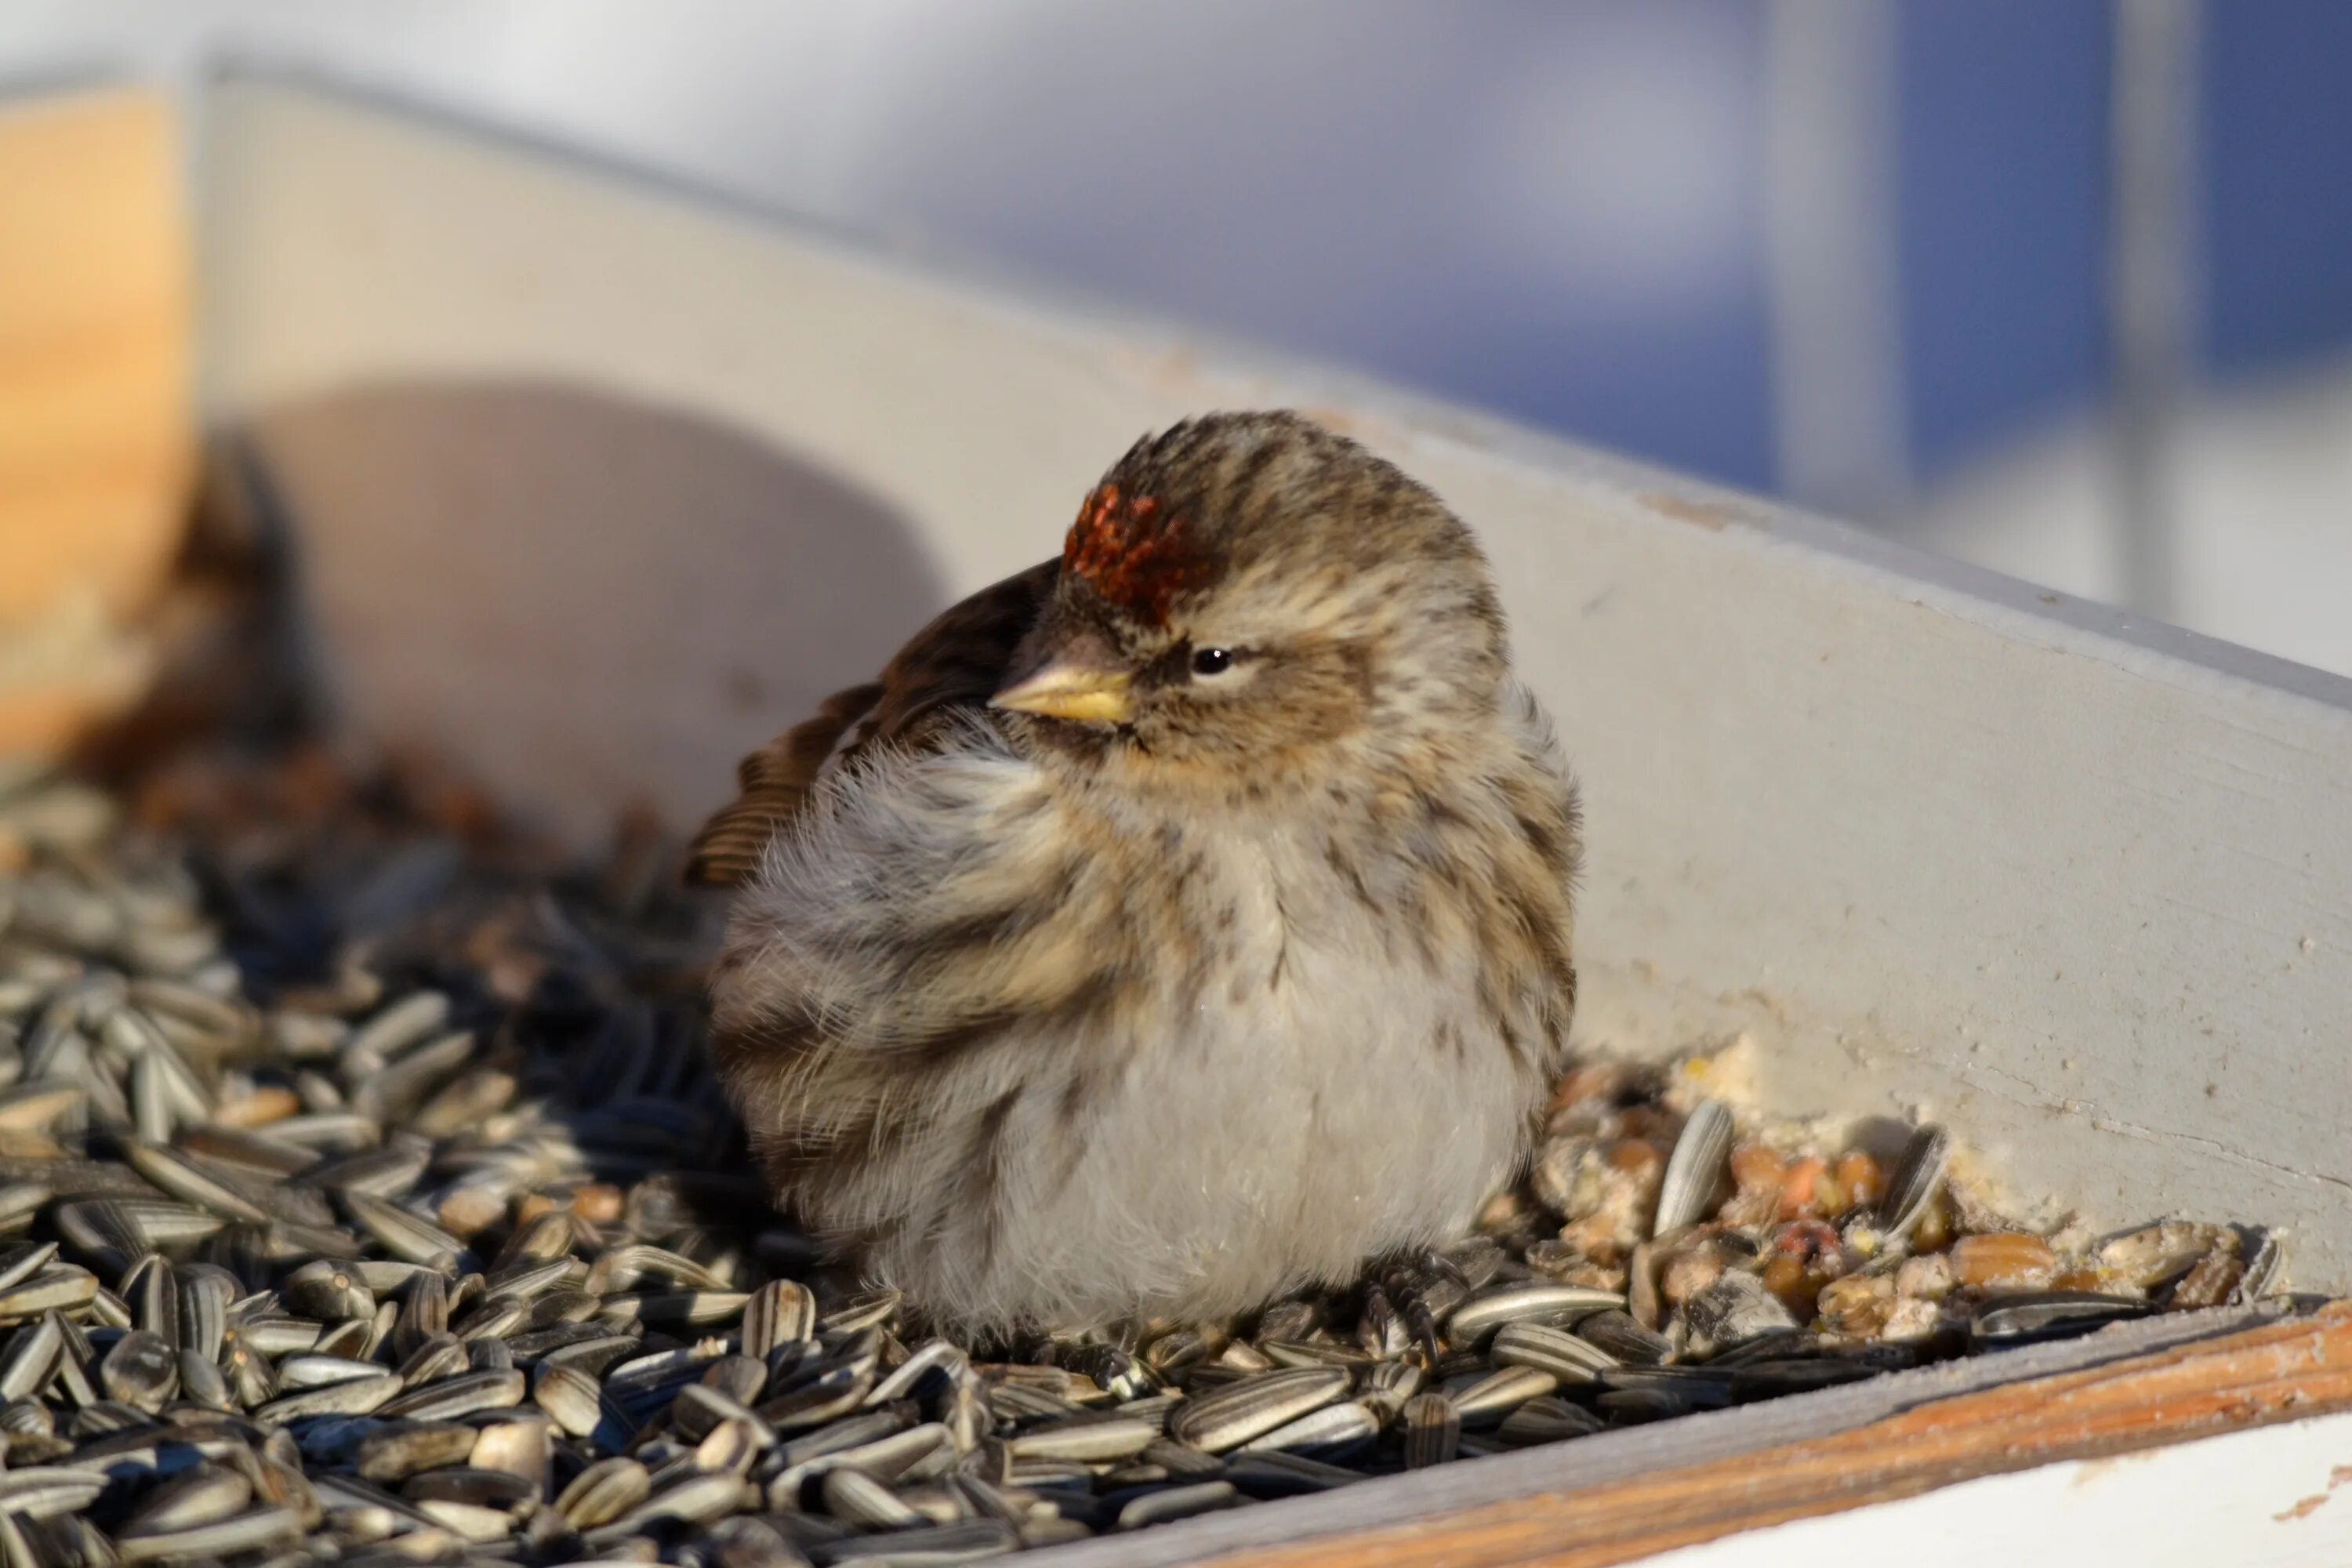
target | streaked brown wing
[{"x": 957, "y": 661}]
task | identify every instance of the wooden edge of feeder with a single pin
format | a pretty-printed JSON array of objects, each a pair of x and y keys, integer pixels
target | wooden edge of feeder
[
  {"x": 2281, "y": 1372},
  {"x": 1653, "y": 1489},
  {"x": 97, "y": 428}
]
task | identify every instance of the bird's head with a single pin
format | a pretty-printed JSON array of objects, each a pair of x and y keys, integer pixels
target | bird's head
[{"x": 1247, "y": 594}]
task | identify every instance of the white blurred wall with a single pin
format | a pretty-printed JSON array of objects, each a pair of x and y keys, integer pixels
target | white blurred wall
[
  {"x": 1419, "y": 186},
  {"x": 2261, "y": 481}
]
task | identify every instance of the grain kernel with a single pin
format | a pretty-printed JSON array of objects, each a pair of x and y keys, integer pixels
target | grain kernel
[
  {"x": 1828, "y": 1194},
  {"x": 1638, "y": 1158},
  {"x": 597, "y": 1203},
  {"x": 1856, "y": 1306},
  {"x": 1787, "y": 1278},
  {"x": 1686, "y": 1271},
  {"x": 2003, "y": 1260},
  {"x": 1799, "y": 1195},
  {"x": 1864, "y": 1181},
  {"x": 1927, "y": 1278},
  {"x": 271, "y": 1102},
  {"x": 1754, "y": 1166}
]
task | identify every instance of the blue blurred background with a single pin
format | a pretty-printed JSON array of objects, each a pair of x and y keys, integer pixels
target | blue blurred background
[{"x": 1863, "y": 253}]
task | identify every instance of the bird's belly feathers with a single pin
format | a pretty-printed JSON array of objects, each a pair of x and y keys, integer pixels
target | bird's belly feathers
[{"x": 1293, "y": 1107}]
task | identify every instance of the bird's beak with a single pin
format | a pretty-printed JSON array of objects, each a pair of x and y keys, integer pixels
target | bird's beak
[{"x": 1075, "y": 691}]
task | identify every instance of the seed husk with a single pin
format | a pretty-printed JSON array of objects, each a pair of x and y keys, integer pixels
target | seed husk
[
  {"x": 1695, "y": 1172},
  {"x": 1432, "y": 1431}
]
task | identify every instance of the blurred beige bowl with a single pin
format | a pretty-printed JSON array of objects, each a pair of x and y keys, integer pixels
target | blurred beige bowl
[{"x": 96, "y": 437}]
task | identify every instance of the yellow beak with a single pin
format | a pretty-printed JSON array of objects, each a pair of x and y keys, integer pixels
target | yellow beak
[{"x": 1071, "y": 691}]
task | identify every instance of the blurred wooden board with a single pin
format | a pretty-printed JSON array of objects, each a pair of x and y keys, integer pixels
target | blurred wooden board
[{"x": 96, "y": 431}]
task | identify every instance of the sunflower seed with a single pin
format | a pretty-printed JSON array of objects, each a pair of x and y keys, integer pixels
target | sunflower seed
[
  {"x": 383, "y": 1172},
  {"x": 322, "y": 1371},
  {"x": 30, "y": 1357},
  {"x": 779, "y": 1312},
  {"x": 357, "y": 1396},
  {"x": 2028, "y": 1317},
  {"x": 470, "y": 1485},
  {"x": 1477, "y": 1319},
  {"x": 43, "y": 1493},
  {"x": 182, "y": 1177},
  {"x": 1489, "y": 1398},
  {"x": 19, "y": 1264},
  {"x": 201, "y": 1382},
  {"x": 328, "y": 1292},
  {"x": 1695, "y": 1172},
  {"x": 1547, "y": 1420},
  {"x": 1334, "y": 1429},
  {"x": 401, "y": 1234},
  {"x": 206, "y": 1293},
  {"x": 460, "y": 1395},
  {"x": 143, "y": 1371},
  {"x": 1918, "y": 1177},
  {"x": 1279, "y": 1475},
  {"x": 693, "y": 1498},
  {"x": 1231, "y": 1416},
  {"x": 59, "y": 1288},
  {"x": 855, "y": 1497},
  {"x": 248, "y": 1532},
  {"x": 861, "y": 1311},
  {"x": 203, "y": 1494},
  {"x": 404, "y": 1024},
  {"x": 1624, "y": 1339},
  {"x": 602, "y": 1493},
  {"x": 1088, "y": 1440},
  {"x": 1432, "y": 1431},
  {"x": 569, "y": 1397}
]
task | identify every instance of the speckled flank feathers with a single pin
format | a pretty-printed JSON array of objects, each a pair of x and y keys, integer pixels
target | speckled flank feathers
[{"x": 1056, "y": 1023}]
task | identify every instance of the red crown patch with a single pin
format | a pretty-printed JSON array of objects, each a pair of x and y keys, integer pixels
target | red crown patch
[{"x": 1129, "y": 554}]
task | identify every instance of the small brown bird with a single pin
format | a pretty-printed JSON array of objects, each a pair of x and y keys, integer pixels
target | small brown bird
[{"x": 1182, "y": 921}]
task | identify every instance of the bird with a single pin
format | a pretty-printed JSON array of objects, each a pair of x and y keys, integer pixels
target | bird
[{"x": 1181, "y": 922}]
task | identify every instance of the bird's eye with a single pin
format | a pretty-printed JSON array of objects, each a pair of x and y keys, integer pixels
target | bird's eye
[{"x": 1212, "y": 660}]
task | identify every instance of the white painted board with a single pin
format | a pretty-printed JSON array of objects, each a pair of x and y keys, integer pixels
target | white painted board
[
  {"x": 2278, "y": 1497},
  {"x": 600, "y": 483}
]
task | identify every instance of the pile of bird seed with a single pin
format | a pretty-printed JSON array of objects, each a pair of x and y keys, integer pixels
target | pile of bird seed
[{"x": 367, "y": 1198}]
